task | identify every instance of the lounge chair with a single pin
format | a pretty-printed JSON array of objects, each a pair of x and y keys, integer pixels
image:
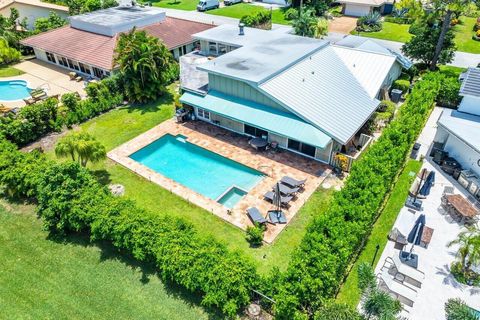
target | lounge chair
[
  {"x": 283, "y": 199},
  {"x": 72, "y": 75},
  {"x": 286, "y": 190},
  {"x": 294, "y": 183},
  {"x": 399, "y": 291},
  {"x": 255, "y": 216},
  {"x": 275, "y": 217},
  {"x": 406, "y": 271}
]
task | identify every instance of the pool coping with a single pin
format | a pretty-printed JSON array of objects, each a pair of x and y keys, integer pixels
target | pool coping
[{"x": 237, "y": 215}]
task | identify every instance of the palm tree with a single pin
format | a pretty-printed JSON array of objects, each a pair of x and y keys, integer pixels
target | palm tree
[
  {"x": 305, "y": 24},
  {"x": 380, "y": 305},
  {"x": 469, "y": 251},
  {"x": 81, "y": 147},
  {"x": 456, "y": 309}
]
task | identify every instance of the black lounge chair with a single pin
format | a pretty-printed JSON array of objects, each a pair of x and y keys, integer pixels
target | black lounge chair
[
  {"x": 275, "y": 217},
  {"x": 283, "y": 199},
  {"x": 255, "y": 216},
  {"x": 294, "y": 183},
  {"x": 286, "y": 190}
]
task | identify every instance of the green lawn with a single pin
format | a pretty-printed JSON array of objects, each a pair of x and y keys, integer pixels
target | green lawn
[
  {"x": 399, "y": 32},
  {"x": 463, "y": 36},
  {"x": 123, "y": 124},
  {"x": 7, "y": 71},
  {"x": 349, "y": 292},
  {"x": 43, "y": 278},
  {"x": 188, "y": 5},
  {"x": 242, "y": 9}
]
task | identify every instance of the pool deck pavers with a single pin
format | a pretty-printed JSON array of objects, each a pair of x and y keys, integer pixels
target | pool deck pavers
[{"x": 274, "y": 165}]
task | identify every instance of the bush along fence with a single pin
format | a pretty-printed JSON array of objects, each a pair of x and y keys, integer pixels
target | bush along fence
[
  {"x": 34, "y": 121},
  {"x": 71, "y": 200},
  {"x": 334, "y": 238}
]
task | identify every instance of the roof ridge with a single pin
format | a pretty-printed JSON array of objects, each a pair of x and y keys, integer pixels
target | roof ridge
[
  {"x": 366, "y": 51},
  {"x": 184, "y": 19}
]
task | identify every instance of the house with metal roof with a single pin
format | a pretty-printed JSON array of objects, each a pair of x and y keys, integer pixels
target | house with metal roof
[
  {"x": 87, "y": 44},
  {"x": 303, "y": 94},
  {"x": 459, "y": 130},
  {"x": 359, "y": 8}
]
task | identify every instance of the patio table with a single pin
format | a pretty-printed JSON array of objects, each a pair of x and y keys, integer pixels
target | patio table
[
  {"x": 258, "y": 143},
  {"x": 461, "y": 207}
]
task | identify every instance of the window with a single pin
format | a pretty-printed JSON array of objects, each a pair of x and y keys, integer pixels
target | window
[
  {"x": 212, "y": 48},
  {"x": 84, "y": 68},
  {"x": 72, "y": 65},
  {"x": 301, "y": 147},
  {"x": 256, "y": 132},
  {"x": 63, "y": 61},
  {"x": 222, "y": 49},
  {"x": 98, "y": 72},
  {"x": 204, "y": 114},
  {"x": 51, "y": 57}
]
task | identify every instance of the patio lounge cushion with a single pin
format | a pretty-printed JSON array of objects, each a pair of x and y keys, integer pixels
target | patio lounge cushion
[
  {"x": 275, "y": 217},
  {"x": 292, "y": 182},
  {"x": 255, "y": 215},
  {"x": 286, "y": 190},
  {"x": 397, "y": 289},
  {"x": 284, "y": 199}
]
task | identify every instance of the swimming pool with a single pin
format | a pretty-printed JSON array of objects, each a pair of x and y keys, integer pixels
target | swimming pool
[
  {"x": 14, "y": 90},
  {"x": 201, "y": 170}
]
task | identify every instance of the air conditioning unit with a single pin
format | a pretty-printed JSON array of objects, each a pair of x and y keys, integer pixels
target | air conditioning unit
[{"x": 465, "y": 177}]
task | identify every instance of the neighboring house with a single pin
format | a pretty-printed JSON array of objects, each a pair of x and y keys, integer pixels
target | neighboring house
[
  {"x": 359, "y": 8},
  {"x": 308, "y": 96},
  {"x": 31, "y": 10},
  {"x": 87, "y": 45},
  {"x": 459, "y": 130}
]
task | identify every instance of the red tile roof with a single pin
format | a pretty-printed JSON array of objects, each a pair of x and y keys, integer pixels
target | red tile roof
[{"x": 97, "y": 50}]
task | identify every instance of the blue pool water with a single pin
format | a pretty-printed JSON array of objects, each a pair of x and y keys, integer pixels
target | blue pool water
[
  {"x": 476, "y": 313},
  {"x": 13, "y": 90},
  {"x": 230, "y": 198},
  {"x": 196, "y": 168}
]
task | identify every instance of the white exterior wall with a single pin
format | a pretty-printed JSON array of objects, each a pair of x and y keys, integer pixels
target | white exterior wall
[
  {"x": 280, "y": 2},
  {"x": 463, "y": 153},
  {"x": 31, "y": 12},
  {"x": 356, "y": 10},
  {"x": 470, "y": 105},
  {"x": 392, "y": 75}
]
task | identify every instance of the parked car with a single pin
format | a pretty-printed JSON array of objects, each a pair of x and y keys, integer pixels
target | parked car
[
  {"x": 230, "y": 2},
  {"x": 205, "y": 5}
]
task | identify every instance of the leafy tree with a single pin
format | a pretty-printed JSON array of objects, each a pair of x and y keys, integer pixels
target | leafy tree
[
  {"x": 8, "y": 28},
  {"x": 380, "y": 305},
  {"x": 305, "y": 24},
  {"x": 413, "y": 9},
  {"x": 456, "y": 309},
  {"x": 7, "y": 54},
  {"x": 337, "y": 311},
  {"x": 318, "y": 6},
  {"x": 145, "y": 65},
  {"x": 469, "y": 250},
  {"x": 83, "y": 6},
  {"x": 53, "y": 21},
  {"x": 422, "y": 45},
  {"x": 81, "y": 147},
  {"x": 321, "y": 28}
]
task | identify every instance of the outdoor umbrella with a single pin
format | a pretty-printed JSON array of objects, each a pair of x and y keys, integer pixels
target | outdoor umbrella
[
  {"x": 425, "y": 189},
  {"x": 415, "y": 234},
  {"x": 277, "y": 197}
]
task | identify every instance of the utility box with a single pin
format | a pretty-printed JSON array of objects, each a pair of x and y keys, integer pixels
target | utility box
[{"x": 396, "y": 95}]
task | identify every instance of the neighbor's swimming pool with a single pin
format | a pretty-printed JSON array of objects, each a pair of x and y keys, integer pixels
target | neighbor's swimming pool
[
  {"x": 14, "y": 90},
  {"x": 201, "y": 170}
]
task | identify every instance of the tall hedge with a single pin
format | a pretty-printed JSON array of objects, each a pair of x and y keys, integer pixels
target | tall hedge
[
  {"x": 334, "y": 237},
  {"x": 71, "y": 200}
]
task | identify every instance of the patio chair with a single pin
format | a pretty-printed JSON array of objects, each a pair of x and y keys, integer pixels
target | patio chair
[
  {"x": 396, "y": 289},
  {"x": 448, "y": 190},
  {"x": 286, "y": 190},
  {"x": 294, "y": 183},
  {"x": 72, "y": 75},
  {"x": 405, "y": 271},
  {"x": 255, "y": 216},
  {"x": 283, "y": 199},
  {"x": 275, "y": 217}
]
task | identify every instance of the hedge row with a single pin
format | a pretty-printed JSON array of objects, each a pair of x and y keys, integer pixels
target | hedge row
[
  {"x": 71, "y": 200},
  {"x": 334, "y": 238},
  {"x": 261, "y": 19},
  {"x": 34, "y": 121}
]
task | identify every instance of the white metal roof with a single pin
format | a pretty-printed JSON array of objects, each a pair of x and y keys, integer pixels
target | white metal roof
[
  {"x": 261, "y": 55},
  {"x": 368, "y": 68},
  {"x": 471, "y": 83},
  {"x": 464, "y": 126},
  {"x": 321, "y": 89}
]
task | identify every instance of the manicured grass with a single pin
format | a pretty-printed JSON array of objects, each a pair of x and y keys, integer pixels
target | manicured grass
[
  {"x": 390, "y": 31},
  {"x": 188, "y": 5},
  {"x": 349, "y": 292},
  {"x": 463, "y": 36},
  {"x": 451, "y": 71},
  {"x": 45, "y": 278},
  {"x": 242, "y": 9},
  {"x": 123, "y": 124},
  {"x": 7, "y": 71}
]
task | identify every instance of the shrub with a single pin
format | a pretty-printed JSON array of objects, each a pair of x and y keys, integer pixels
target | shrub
[
  {"x": 370, "y": 23},
  {"x": 7, "y": 54},
  {"x": 400, "y": 84},
  {"x": 456, "y": 309},
  {"x": 255, "y": 235},
  {"x": 261, "y": 20},
  {"x": 448, "y": 96},
  {"x": 291, "y": 14}
]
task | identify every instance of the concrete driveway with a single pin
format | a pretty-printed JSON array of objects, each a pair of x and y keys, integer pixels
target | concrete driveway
[{"x": 342, "y": 25}]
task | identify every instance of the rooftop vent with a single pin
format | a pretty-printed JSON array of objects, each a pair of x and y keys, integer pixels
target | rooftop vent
[{"x": 241, "y": 28}]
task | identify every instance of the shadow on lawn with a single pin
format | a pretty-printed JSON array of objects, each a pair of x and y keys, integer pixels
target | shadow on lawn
[
  {"x": 102, "y": 176},
  {"x": 109, "y": 253},
  {"x": 165, "y": 99}
]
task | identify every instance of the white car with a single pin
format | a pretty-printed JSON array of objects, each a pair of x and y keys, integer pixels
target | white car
[{"x": 205, "y": 5}]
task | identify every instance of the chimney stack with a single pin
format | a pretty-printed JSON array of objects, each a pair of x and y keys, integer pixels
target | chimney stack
[{"x": 241, "y": 26}]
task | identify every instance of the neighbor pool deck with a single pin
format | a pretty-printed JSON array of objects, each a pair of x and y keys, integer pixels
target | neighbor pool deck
[{"x": 274, "y": 165}]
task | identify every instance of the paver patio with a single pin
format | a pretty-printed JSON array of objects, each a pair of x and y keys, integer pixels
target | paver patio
[{"x": 233, "y": 146}]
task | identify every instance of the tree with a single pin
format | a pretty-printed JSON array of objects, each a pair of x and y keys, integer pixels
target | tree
[
  {"x": 318, "y": 6},
  {"x": 321, "y": 29},
  {"x": 53, "y": 21},
  {"x": 337, "y": 311},
  {"x": 8, "y": 28},
  {"x": 413, "y": 9},
  {"x": 366, "y": 278},
  {"x": 81, "y": 147},
  {"x": 7, "y": 54},
  {"x": 84, "y": 6},
  {"x": 469, "y": 250},
  {"x": 456, "y": 309},
  {"x": 305, "y": 24},
  {"x": 145, "y": 65},
  {"x": 423, "y": 44},
  {"x": 380, "y": 305}
]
